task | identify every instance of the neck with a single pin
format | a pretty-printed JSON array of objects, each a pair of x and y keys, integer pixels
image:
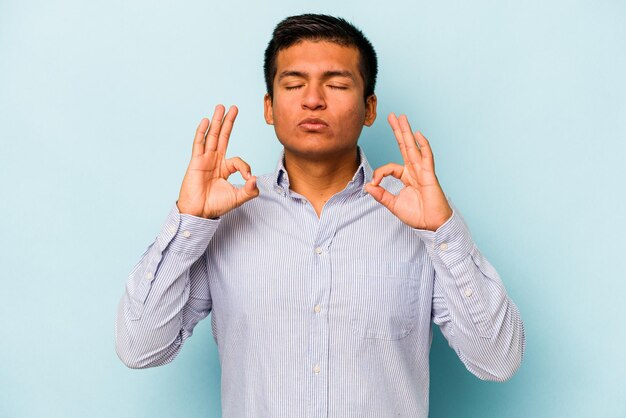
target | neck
[{"x": 319, "y": 180}]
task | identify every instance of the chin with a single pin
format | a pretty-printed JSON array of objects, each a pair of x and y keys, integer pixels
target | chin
[{"x": 315, "y": 145}]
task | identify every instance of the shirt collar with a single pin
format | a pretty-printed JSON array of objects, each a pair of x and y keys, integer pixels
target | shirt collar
[{"x": 362, "y": 176}]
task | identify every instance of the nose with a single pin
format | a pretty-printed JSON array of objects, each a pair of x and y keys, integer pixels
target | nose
[{"x": 313, "y": 98}]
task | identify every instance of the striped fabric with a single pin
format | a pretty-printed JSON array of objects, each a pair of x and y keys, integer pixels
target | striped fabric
[{"x": 319, "y": 317}]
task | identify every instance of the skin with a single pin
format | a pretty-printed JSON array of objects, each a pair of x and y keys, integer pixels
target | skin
[
  {"x": 319, "y": 80},
  {"x": 315, "y": 80}
]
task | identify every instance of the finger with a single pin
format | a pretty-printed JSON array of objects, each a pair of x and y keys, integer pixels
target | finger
[
  {"x": 198, "y": 140},
  {"x": 397, "y": 132},
  {"x": 392, "y": 169},
  {"x": 381, "y": 195},
  {"x": 407, "y": 135},
  {"x": 427, "y": 154},
  {"x": 214, "y": 129},
  {"x": 248, "y": 191},
  {"x": 227, "y": 128},
  {"x": 237, "y": 164},
  {"x": 413, "y": 153}
]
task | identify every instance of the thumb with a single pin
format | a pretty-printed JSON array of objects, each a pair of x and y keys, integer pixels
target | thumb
[
  {"x": 248, "y": 192},
  {"x": 381, "y": 195}
]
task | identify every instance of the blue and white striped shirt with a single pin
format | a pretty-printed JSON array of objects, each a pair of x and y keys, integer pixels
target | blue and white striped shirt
[{"x": 319, "y": 317}]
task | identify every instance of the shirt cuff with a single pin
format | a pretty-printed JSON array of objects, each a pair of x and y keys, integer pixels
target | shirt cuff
[
  {"x": 450, "y": 243},
  {"x": 185, "y": 233}
]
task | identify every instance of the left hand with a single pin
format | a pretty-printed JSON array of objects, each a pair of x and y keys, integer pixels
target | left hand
[{"x": 421, "y": 204}]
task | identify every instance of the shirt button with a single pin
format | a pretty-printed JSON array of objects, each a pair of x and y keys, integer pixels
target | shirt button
[
  {"x": 469, "y": 292},
  {"x": 186, "y": 234},
  {"x": 319, "y": 250},
  {"x": 443, "y": 246},
  {"x": 317, "y": 368},
  {"x": 318, "y": 308},
  {"x": 149, "y": 276},
  {"x": 171, "y": 229}
]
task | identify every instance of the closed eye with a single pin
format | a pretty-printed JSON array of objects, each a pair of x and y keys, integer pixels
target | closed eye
[
  {"x": 292, "y": 87},
  {"x": 337, "y": 87}
]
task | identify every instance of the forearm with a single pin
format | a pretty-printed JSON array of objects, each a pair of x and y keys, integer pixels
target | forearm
[
  {"x": 161, "y": 305},
  {"x": 471, "y": 306}
]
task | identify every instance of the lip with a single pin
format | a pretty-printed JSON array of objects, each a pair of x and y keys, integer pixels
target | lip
[{"x": 313, "y": 124}]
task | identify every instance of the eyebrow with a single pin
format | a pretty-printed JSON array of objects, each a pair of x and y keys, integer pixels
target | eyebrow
[{"x": 325, "y": 75}]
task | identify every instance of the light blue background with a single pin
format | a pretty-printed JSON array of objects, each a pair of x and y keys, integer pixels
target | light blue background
[{"x": 523, "y": 102}]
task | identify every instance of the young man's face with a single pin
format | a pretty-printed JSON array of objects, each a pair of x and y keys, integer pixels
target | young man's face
[{"x": 318, "y": 109}]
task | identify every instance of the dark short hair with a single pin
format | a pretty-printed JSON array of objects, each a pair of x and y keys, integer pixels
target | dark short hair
[{"x": 319, "y": 27}]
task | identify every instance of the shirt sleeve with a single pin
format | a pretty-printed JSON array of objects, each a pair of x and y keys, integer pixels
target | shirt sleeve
[
  {"x": 470, "y": 303},
  {"x": 167, "y": 293}
]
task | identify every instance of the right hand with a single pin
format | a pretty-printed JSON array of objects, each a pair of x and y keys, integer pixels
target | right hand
[{"x": 205, "y": 191}]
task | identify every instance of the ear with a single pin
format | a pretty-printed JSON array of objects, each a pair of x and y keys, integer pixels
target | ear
[
  {"x": 370, "y": 110},
  {"x": 267, "y": 109}
]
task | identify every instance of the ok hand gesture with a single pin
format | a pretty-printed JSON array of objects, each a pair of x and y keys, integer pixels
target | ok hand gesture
[
  {"x": 421, "y": 203},
  {"x": 205, "y": 191}
]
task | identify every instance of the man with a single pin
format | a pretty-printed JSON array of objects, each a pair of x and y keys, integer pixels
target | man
[{"x": 323, "y": 277}]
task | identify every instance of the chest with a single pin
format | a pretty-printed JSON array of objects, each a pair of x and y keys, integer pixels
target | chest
[{"x": 276, "y": 264}]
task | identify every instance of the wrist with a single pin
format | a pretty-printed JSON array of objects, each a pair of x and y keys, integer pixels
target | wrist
[
  {"x": 183, "y": 210},
  {"x": 435, "y": 222}
]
